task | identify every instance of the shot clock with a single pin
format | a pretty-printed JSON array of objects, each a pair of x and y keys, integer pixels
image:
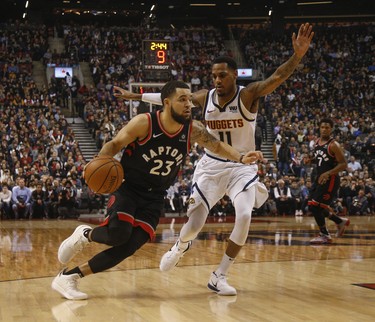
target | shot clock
[{"x": 156, "y": 59}]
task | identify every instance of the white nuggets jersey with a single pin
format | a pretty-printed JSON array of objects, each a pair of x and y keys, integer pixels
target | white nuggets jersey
[{"x": 232, "y": 124}]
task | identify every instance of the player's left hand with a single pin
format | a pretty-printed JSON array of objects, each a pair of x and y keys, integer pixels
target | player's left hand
[
  {"x": 253, "y": 156},
  {"x": 302, "y": 41}
]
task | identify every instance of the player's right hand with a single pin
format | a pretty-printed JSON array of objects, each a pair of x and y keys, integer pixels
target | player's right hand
[{"x": 119, "y": 92}]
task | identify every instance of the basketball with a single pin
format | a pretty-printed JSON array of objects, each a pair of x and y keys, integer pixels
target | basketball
[{"x": 104, "y": 174}]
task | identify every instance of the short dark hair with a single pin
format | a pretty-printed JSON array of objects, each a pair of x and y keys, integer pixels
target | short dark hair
[
  {"x": 326, "y": 120},
  {"x": 226, "y": 59},
  {"x": 170, "y": 88}
]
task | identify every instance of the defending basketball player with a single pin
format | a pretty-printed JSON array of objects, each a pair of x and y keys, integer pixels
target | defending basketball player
[
  {"x": 155, "y": 146},
  {"x": 230, "y": 112},
  {"x": 330, "y": 160}
]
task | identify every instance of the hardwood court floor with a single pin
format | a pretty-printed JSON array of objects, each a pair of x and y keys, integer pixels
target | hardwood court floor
[{"x": 278, "y": 276}]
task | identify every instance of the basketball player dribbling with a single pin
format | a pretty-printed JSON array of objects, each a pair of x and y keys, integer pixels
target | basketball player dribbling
[
  {"x": 155, "y": 146},
  {"x": 230, "y": 112}
]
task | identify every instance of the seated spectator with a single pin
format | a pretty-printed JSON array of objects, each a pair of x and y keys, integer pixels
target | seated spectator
[
  {"x": 51, "y": 201},
  {"x": 353, "y": 165},
  {"x": 38, "y": 202},
  {"x": 283, "y": 198},
  {"x": 5, "y": 200},
  {"x": 223, "y": 207},
  {"x": 21, "y": 196},
  {"x": 359, "y": 205},
  {"x": 296, "y": 193},
  {"x": 67, "y": 202},
  {"x": 183, "y": 195}
]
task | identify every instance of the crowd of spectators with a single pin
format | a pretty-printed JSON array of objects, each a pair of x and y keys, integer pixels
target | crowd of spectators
[
  {"x": 40, "y": 160},
  {"x": 39, "y": 150}
]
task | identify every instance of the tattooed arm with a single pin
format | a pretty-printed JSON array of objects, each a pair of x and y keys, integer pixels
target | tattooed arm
[{"x": 200, "y": 135}]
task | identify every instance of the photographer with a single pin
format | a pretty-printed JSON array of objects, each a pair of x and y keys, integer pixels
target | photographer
[
  {"x": 52, "y": 198},
  {"x": 67, "y": 202},
  {"x": 38, "y": 205}
]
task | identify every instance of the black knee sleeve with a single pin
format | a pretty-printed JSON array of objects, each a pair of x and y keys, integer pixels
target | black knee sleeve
[
  {"x": 112, "y": 236},
  {"x": 115, "y": 255}
]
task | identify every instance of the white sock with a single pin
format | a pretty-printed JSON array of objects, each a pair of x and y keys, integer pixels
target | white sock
[{"x": 226, "y": 263}]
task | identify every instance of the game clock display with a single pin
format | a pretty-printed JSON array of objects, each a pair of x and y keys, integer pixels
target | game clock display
[{"x": 156, "y": 55}]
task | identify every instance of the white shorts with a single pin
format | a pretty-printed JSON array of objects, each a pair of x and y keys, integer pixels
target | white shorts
[{"x": 214, "y": 178}]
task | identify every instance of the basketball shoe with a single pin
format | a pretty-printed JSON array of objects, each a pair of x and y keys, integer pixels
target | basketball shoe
[
  {"x": 67, "y": 286},
  {"x": 342, "y": 226},
  {"x": 73, "y": 244},
  {"x": 220, "y": 285},
  {"x": 171, "y": 258},
  {"x": 321, "y": 239}
]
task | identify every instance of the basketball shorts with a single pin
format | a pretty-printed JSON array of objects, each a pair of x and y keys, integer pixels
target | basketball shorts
[
  {"x": 139, "y": 208},
  {"x": 325, "y": 193},
  {"x": 213, "y": 178}
]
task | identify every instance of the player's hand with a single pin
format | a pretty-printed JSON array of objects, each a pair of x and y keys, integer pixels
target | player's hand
[
  {"x": 253, "y": 156},
  {"x": 323, "y": 178},
  {"x": 121, "y": 93},
  {"x": 302, "y": 41}
]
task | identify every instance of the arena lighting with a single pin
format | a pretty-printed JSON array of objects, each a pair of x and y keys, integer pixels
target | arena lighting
[
  {"x": 313, "y": 3},
  {"x": 270, "y": 12},
  {"x": 27, "y": 4},
  {"x": 24, "y": 15},
  {"x": 202, "y": 4},
  {"x": 153, "y": 7}
]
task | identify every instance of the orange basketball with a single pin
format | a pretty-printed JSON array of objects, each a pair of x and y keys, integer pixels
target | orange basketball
[{"x": 104, "y": 174}]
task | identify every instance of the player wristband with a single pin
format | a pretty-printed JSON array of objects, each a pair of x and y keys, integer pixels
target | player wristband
[
  {"x": 241, "y": 159},
  {"x": 153, "y": 98}
]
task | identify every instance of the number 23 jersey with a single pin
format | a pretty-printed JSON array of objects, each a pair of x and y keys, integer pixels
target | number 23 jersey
[{"x": 152, "y": 163}]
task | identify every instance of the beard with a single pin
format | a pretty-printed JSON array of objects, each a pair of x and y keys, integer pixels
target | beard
[{"x": 181, "y": 119}]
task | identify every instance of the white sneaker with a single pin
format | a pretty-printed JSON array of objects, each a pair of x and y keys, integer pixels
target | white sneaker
[
  {"x": 342, "y": 226},
  {"x": 67, "y": 286},
  {"x": 73, "y": 244},
  {"x": 220, "y": 285},
  {"x": 321, "y": 239},
  {"x": 170, "y": 258}
]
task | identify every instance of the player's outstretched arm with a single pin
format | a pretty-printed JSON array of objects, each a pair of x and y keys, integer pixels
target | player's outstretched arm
[
  {"x": 301, "y": 43},
  {"x": 153, "y": 98},
  {"x": 201, "y": 136}
]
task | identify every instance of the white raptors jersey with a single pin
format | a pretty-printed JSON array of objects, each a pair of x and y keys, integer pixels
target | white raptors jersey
[{"x": 232, "y": 124}]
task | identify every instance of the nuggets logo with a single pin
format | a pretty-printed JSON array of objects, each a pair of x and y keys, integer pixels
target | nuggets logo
[{"x": 191, "y": 201}]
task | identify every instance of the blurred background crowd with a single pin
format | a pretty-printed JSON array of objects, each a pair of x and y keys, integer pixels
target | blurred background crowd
[{"x": 42, "y": 161}]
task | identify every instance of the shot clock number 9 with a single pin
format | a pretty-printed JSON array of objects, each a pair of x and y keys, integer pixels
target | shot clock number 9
[{"x": 156, "y": 55}]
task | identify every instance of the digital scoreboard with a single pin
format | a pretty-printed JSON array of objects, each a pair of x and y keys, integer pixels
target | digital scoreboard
[{"x": 156, "y": 58}]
